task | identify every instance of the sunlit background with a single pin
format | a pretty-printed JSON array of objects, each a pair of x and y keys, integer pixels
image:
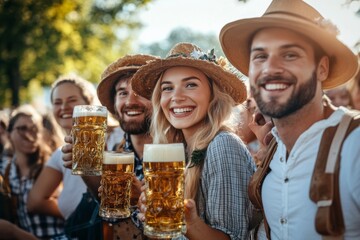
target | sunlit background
[{"x": 41, "y": 40}]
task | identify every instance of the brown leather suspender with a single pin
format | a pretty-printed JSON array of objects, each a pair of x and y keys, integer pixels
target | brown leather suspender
[{"x": 324, "y": 186}]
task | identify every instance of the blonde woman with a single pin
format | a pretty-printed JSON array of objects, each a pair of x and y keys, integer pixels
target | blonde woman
[
  {"x": 67, "y": 92},
  {"x": 192, "y": 97}
]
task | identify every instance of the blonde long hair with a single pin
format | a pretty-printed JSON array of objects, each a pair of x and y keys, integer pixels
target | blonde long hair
[{"x": 162, "y": 131}]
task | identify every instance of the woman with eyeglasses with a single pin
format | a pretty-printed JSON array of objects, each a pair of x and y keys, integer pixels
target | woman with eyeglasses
[{"x": 30, "y": 154}]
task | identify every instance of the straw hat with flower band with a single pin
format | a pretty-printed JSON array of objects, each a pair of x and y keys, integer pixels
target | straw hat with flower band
[
  {"x": 296, "y": 15},
  {"x": 123, "y": 67},
  {"x": 190, "y": 55}
]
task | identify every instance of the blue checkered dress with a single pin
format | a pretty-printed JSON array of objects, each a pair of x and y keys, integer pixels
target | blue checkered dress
[
  {"x": 223, "y": 201},
  {"x": 42, "y": 226}
]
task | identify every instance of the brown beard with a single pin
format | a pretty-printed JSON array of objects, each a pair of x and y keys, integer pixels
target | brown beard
[{"x": 300, "y": 97}]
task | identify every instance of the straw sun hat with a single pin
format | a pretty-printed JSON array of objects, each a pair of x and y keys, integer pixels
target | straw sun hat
[
  {"x": 121, "y": 67},
  {"x": 235, "y": 37},
  {"x": 189, "y": 55}
]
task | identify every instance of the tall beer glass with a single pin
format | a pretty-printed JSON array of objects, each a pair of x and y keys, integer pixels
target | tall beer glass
[
  {"x": 164, "y": 166},
  {"x": 88, "y": 132},
  {"x": 116, "y": 181}
]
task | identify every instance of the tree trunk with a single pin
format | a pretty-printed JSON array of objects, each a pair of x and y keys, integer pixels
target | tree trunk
[{"x": 14, "y": 78}]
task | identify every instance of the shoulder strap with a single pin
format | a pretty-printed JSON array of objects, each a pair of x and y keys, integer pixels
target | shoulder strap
[
  {"x": 324, "y": 187},
  {"x": 256, "y": 181}
]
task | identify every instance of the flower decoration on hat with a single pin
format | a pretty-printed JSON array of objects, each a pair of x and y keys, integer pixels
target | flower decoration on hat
[
  {"x": 210, "y": 56},
  {"x": 200, "y": 55},
  {"x": 189, "y": 55}
]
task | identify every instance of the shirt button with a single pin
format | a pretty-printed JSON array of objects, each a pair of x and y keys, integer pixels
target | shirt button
[
  {"x": 286, "y": 180},
  {"x": 281, "y": 159},
  {"x": 283, "y": 220}
]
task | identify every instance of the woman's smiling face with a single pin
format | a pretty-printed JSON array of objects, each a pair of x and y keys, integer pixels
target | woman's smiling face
[
  {"x": 65, "y": 97},
  {"x": 185, "y": 97}
]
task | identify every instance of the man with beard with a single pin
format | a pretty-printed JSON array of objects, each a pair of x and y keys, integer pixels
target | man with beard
[
  {"x": 291, "y": 54},
  {"x": 134, "y": 115}
]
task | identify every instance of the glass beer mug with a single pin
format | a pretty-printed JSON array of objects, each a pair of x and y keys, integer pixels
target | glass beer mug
[
  {"x": 164, "y": 166},
  {"x": 88, "y": 133},
  {"x": 116, "y": 182}
]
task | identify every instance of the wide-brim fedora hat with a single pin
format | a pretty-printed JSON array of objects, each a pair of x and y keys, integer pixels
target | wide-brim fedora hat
[
  {"x": 124, "y": 66},
  {"x": 296, "y": 15},
  {"x": 190, "y": 55}
]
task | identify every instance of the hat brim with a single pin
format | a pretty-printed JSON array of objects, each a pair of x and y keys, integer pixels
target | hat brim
[
  {"x": 145, "y": 79},
  {"x": 235, "y": 38},
  {"x": 107, "y": 86}
]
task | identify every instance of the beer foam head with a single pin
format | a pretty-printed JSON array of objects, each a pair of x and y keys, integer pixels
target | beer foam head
[
  {"x": 173, "y": 152},
  {"x": 89, "y": 110},
  {"x": 118, "y": 158}
]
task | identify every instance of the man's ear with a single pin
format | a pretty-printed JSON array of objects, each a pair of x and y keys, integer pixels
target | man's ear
[{"x": 322, "y": 71}]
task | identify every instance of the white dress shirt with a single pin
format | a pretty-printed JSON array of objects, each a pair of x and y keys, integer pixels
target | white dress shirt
[{"x": 285, "y": 192}]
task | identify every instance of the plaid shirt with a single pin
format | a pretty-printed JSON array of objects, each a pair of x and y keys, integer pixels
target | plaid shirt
[
  {"x": 42, "y": 226},
  {"x": 126, "y": 145}
]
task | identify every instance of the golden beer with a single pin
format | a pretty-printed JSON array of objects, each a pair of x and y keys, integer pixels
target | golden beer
[
  {"x": 88, "y": 132},
  {"x": 164, "y": 166},
  {"x": 116, "y": 181}
]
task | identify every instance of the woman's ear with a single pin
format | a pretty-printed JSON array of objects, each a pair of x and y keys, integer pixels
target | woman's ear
[{"x": 322, "y": 71}]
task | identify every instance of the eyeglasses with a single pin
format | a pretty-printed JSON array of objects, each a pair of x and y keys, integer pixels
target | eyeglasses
[{"x": 23, "y": 129}]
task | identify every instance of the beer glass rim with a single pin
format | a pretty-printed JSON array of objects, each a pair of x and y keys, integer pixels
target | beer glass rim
[
  {"x": 118, "y": 153},
  {"x": 129, "y": 157},
  {"x": 89, "y": 110},
  {"x": 164, "y": 144},
  {"x": 90, "y": 105}
]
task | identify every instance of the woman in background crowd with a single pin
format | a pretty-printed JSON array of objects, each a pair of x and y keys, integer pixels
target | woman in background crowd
[
  {"x": 53, "y": 133},
  {"x": 242, "y": 115},
  {"x": 30, "y": 155},
  {"x": 340, "y": 96},
  {"x": 5, "y": 145},
  {"x": 66, "y": 93},
  {"x": 353, "y": 87}
]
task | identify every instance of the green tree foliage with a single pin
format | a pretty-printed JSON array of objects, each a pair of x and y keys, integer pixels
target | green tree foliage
[{"x": 40, "y": 40}]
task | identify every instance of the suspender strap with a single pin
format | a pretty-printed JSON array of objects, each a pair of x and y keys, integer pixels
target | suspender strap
[
  {"x": 324, "y": 187},
  {"x": 336, "y": 143},
  {"x": 256, "y": 181}
]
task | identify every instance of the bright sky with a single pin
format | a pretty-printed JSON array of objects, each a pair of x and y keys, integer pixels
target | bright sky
[{"x": 209, "y": 16}]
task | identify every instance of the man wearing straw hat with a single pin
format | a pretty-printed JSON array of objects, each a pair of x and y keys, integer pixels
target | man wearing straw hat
[
  {"x": 134, "y": 115},
  {"x": 291, "y": 54}
]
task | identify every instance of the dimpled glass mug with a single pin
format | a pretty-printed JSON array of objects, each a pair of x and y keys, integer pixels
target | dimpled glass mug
[
  {"x": 164, "y": 166},
  {"x": 116, "y": 182},
  {"x": 88, "y": 133}
]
